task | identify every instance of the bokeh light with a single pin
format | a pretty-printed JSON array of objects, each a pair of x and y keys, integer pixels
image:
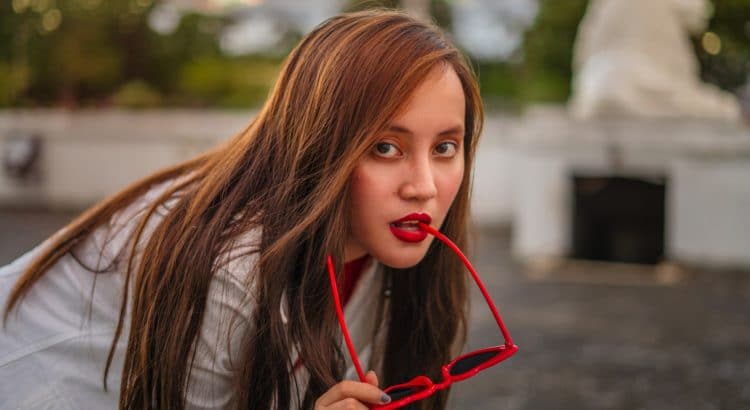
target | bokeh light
[
  {"x": 19, "y": 6},
  {"x": 51, "y": 20},
  {"x": 40, "y": 6},
  {"x": 711, "y": 43}
]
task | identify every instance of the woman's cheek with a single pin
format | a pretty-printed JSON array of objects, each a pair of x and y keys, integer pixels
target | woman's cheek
[
  {"x": 370, "y": 183},
  {"x": 453, "y": 182}
]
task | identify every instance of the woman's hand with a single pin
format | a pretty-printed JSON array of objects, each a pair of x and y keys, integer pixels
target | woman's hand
[{"x": 350, "y": 395}]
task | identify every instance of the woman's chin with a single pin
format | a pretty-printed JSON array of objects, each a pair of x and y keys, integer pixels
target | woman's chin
[{"x": 403, "y": 260}]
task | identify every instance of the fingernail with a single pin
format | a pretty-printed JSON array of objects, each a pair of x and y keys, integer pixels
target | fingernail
[{"x": 385, "y": 398}]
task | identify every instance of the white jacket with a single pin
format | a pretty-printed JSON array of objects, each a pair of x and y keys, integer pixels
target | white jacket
[{"x": 54, "y": 346}]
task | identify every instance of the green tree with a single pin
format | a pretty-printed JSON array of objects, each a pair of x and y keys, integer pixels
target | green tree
[
  {"x": 548, "y": 51},
  {"x": 76, "y": 50},
  {"x": 730, "y": 67}
]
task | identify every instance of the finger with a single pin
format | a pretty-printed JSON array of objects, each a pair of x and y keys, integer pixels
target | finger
[
  {"x": 363, "y": 392},
  {"x": 372, "y": 378},
  {"x": 347, "y": 404}
]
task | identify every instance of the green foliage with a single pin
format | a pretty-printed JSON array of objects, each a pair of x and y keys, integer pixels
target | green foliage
[
  {"x": 14, "y": 80},
  {"x": 441, "y": 13},
  {"x": 95, "y": 52},
  {"x": 204, "y": 77},
  {"x": 136, "y": 94},
  {"x": 730, "y": 68},
  {"x": 543, "y": 70},
  {"x": 99, "y": 52},
  {"x": 357, "y": 5},
  {"x": 227, "y": 83},
  {"x": 84, "y": 58},
  {"x": 440, "y": 10},
  {"x": 80, "y": 50},
  {"x": 548, "y": 50}
]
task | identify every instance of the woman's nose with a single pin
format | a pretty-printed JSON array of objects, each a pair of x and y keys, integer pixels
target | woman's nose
[{"x": 419, "y": 182}]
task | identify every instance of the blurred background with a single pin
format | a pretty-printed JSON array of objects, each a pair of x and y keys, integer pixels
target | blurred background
[
  {"x": 611, "y": 187},
  {"x": 225, "y": 53}
]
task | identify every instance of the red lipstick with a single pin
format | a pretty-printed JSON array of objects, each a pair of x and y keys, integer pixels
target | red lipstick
[{"x": 407, "y": 229}]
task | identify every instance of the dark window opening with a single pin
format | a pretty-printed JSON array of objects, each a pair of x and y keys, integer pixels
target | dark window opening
[{"x": 618, "y": 219}]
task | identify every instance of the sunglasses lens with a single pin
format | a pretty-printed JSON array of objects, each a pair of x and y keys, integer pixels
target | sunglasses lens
[
  {"x": 402, "y": 392},
  {"x": 470, "y": 362}
]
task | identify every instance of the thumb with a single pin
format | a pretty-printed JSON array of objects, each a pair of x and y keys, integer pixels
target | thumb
[{"x": 371, "y": 378}]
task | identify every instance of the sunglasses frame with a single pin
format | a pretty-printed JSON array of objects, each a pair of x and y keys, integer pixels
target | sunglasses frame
[{"x": 427, "y": 386}]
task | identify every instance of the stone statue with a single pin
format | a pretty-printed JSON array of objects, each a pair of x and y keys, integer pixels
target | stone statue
[{"x": 634, "y": 57}]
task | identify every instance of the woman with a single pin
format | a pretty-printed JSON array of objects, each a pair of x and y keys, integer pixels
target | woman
[{"x": 205, "y": 285}]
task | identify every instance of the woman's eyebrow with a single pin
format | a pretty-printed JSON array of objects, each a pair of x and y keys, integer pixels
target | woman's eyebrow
[{"x": 456, "y": 129}]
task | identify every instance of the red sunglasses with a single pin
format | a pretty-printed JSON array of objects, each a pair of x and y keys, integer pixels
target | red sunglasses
[{"x": 461, "y": 368}]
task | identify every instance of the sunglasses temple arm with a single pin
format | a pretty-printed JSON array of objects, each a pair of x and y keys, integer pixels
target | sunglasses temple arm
[
  {"x": 434, "y": 232},
  {"x": 342, "y": 322}
]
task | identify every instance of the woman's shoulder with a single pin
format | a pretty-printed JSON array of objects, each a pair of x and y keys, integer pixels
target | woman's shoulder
[
  {"x": 239, "y": 259},
  {"x": 109, "y": 243}
]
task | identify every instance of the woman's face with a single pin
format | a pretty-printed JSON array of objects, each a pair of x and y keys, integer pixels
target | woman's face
[{"x": 412, "y": 173}]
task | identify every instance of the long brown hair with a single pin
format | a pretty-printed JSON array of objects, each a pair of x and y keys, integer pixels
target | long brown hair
[{"x": 288, "y": 173}]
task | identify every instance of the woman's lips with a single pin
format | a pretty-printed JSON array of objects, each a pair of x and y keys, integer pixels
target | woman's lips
[{"x": 407, "y": 228}]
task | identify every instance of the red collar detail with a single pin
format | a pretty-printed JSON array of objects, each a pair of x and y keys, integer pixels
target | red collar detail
[{"x": 352, "y": 273}]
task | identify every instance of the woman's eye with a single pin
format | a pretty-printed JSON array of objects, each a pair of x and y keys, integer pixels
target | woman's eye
[
  {"x": 446, "y": 149},
  {"x": 386, "y": 149}
]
